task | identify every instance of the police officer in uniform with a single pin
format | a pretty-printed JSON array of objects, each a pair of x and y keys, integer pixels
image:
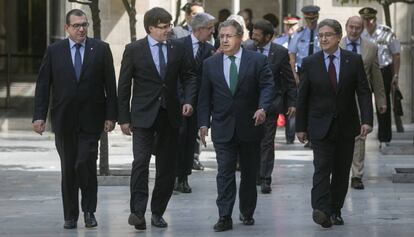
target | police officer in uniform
[
  {"x": 290, "y": 26},
  {"x": 389, "y": 49},
  {"x": 304, "y": 42}
]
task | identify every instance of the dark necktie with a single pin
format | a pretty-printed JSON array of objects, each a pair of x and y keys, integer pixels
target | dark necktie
[
  {"x": 161, "y": 60},
  {"x": 233, "y": 74},
  {"x": 261, "y": 50},
  {"x": 290, "y": 37},
  {"x": 310, "y": 51},
  {"x": 332, "y": 72},
  {"x": 354, "y": 47},
  {"x": 78, "y": 61},
  {"x": 199, "y": 55}
]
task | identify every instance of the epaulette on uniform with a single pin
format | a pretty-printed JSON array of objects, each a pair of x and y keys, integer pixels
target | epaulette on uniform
[{"x": 300, "y": 29}]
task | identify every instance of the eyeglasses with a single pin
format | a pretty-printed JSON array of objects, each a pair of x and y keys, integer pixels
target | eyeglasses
[
  {"x": 222, "y": 37},
  {"x": 327, "y": 35},
  {"x": 78, "y": 26},
  {"x": 164, "y": 27}
]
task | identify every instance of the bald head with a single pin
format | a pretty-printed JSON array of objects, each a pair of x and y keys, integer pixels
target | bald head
[{"x": 354, "y": 27}]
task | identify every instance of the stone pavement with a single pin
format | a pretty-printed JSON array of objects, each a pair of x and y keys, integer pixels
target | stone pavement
[{"x": 30, "y": 199}]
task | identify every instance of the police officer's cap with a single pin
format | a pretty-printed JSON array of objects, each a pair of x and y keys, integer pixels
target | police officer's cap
[
  {"x": 368, "y": 13},
  {"x": 291, "y": 19},
  {"x": 310, "y": 9}
]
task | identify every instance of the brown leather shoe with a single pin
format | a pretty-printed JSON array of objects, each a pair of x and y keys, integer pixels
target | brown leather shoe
[
  {"x": 320, "y": 217},
  {"x": 224, "y": 223},
  {"x": 356, "y": 183}
]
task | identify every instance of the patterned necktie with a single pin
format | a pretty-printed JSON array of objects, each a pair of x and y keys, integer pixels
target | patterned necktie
[
  {"x": 199, "y": 55},
  {"x": 161, "y": 60},
  {"x": 78, "y": 62},
  {"x": 354, "y": 47},
  {"x": 233, "y": 74},
  {"x": 310, "y": 51},
  {"x": 332, "y": 72}
]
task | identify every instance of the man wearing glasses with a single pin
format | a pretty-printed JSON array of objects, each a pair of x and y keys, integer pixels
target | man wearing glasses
[
  {"x": 80, "y": 74},
  {"x": 327, "y": 115},
  {"x": 237, "y": 89},
  {"x": 151, "y": 67}
]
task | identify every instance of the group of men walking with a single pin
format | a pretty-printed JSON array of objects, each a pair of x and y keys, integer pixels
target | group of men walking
[{"x": 171, "y": 88}]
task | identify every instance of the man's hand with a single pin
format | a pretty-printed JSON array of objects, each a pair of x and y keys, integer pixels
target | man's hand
[
  {"x": 382, "y": 109},
  {"x": 259, "y": 117},
  {"x": 109, "y": 125},
  {"x": 302, "y": 136},
  {"x": 126, "y": 128},
  {"x": 291, "y": 112},
  {"x": 203, "y": 135},
  {"x": 187, "y": 110},
  {"x": 365, "y": 129},
  {"x": 39, "y": 126}
]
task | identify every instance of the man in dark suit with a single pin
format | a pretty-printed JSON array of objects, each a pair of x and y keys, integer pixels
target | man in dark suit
[
  {"x": 237, "y": 89},
  {"x": 327, "y": 115},
  {"x": 196, "y": 45},
  {"x": 285, "y": 86},
  {"x": 79, "y": 73},
  {"x": 151, "y": 67}
]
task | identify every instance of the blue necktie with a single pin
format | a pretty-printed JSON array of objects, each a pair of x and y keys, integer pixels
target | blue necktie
[
  {"x": 78, "y": 61},
  {"x": 162, "y": 60}
]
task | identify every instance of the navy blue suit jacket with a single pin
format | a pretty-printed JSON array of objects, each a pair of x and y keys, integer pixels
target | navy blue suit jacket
[
  {"x": 318, "y": 104},
  {"x": 77, "y": 105},
  {"x": 232, "y": 115}
]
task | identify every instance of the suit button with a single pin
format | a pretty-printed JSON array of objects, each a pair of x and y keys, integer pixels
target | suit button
[
  {"x": 159, "y": 98},
  {"x": 163, "y": 85}
]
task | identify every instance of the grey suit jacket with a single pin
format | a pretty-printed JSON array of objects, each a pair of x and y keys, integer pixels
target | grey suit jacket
[{"x": 371, "y": 66}]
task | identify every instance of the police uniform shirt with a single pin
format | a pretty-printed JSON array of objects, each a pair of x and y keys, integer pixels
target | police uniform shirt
[
  {"x": 299, "y": 44},
  {"x": 387, "y": 43},
  {"x": 282, "y": 40}
]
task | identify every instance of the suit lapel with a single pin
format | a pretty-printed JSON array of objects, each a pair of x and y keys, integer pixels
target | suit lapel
[
  {"x": 343, "y": 64},
  {"x": 88, "y": 55},
  {"x": 148, "y": 53},
  {"x": 170, "y": 49},
  {"x": 324, "y": 70},
  {"x": 364, "y": 49},
  {"x": 222, "y": 79},
  {"x": 68, "y": 58},
  {"x": 244, "y": 62},
  {"x": 272, "y": 53}
]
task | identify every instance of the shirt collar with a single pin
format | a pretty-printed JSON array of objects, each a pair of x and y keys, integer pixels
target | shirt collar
[
  {"x": 194, "y": 40},
  {"x": 337, "y": 53},
  {"x": 267, "y": 46},
  {"x": 358, "y": 41},
  {"x": 153, "y": 42},
  {"x": 73, "y": 43},
  {"x": 237, "y": 55}
]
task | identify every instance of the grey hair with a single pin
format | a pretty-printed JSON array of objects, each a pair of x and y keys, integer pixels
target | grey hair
[
  {"x": 201, "y": 20},
  {"x": 234, "y": 23},
  {"x": 334, "y": 24},
  {"x": 239, "y": 20}
]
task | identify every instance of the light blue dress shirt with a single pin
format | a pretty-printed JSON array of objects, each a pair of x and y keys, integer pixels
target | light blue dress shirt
[
  {"x": 195, "y": 41},
  {"x": 349, "y": 45},
  {"x": 72, "y": 46},
  {"x": 227, "y": 63},
  {"x": 282, "y": 40},
  {"x": 154, "y": 52},
  {"x": 299, "y": 44},
  {"x": 336, "y": 62}
]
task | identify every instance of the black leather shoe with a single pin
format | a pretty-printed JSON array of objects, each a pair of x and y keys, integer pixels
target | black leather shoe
[
  {"x": 356, "y": 183},
  {"x": 197, "y": 165},
  {"x": 185, "y": 188},
  {"x": 224, "y": 223},
  {"x": 336, "y": 219},
  {"x": 158, "y": 221},
  {"x": 70, "y": 224},
  {"x": 138, "y": 221},
  {"x": 90, "y": 220},
  {"x": 265, "y": 187},
  {"x": 246, "y": 220},
  {"x": 320, "y": 217}
]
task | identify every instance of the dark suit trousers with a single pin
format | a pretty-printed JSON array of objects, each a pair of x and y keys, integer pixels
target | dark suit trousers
[
  {"x": 332, "y": 156},
  {"x": 226, "y": 154},
  {"x": 142, "y": 143},
  {"x": 267, "y": 149},
  {"x": 186, "y": 145},
  {"x": 384, "y": 120},
  {"x": 78, "y": 154}
]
